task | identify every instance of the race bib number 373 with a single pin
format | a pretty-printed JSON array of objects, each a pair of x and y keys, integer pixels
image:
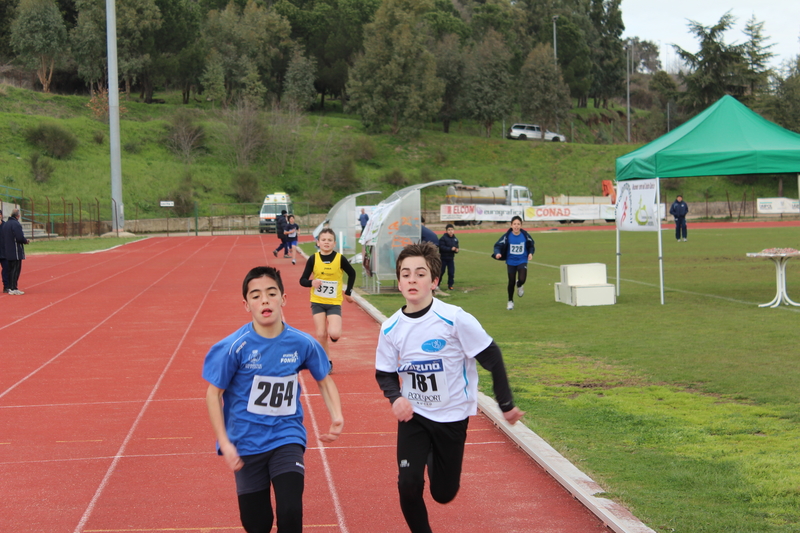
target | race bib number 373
[
  {"x": 273, "y": 396},
  {"x": 327, "y": 289},
  {"x": 425, "y": 383}
]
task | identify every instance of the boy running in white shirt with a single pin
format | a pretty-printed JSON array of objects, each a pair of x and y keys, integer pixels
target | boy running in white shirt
[{"x": 425, "y": 365}]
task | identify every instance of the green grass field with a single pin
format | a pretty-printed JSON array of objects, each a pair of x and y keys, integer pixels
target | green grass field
[{"x": 687, "y": 412}]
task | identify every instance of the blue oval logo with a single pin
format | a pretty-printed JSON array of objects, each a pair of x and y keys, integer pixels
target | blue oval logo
[{"x": 433, "y": 345}]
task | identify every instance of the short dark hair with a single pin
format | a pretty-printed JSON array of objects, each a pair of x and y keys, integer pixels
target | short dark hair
[
  {"x": 283, "y": 211},
  {"x": 261, "y": 272},
  {"x": 447, "y": 227},
  {"x": 427, "y": 251},
  {"x": 516, "y": 217},
  {"x": 327, "y": 230}
]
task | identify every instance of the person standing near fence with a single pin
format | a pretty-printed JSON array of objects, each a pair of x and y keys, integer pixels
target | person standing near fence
[
  {"x": 448, "y": 248},
  {"x": 3, "y": 263},
  {"x": 14, "y": 241},
  {"x": 679, "y": 210},
  {"x": 363, "y": 218}
]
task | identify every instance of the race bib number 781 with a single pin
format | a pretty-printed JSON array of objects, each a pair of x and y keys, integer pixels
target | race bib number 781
[
  {"x": 425, "y": 383},
  {"x": 273, "y": 396}
]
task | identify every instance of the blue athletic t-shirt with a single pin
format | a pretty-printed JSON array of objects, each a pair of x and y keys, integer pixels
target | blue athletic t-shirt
[
  {"x": 517, "y": 255},
  {"x": 260, "y": 378}
]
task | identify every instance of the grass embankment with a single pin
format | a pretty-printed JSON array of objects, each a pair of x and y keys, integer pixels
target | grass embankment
[
  {"x": 308, "y": 160},
  {"x": 687, "y": 413}
]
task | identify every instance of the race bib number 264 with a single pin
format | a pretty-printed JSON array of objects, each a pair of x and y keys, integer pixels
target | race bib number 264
[{"x": 273, "y": 396}]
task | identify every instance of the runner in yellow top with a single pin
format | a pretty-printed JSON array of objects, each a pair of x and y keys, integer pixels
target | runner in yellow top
[{"x": 328, "y": 268}]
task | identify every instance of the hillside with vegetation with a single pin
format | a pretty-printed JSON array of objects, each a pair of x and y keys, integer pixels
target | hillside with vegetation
[{"x": 201, "y": 153}]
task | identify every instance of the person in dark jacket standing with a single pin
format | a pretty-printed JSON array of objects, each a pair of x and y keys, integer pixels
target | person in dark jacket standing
[
  {"x": 679, "y": 210},
  {"x": 448, "y": 248},
  {"x": 280, "y": 227},
  {"x": 516, "y": 248},
  {"x": 3, "y": 263},
  {"x": 14, "y": 241}
]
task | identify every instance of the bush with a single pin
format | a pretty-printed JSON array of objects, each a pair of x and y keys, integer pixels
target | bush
[
  {"x": 183, "y": 196},
  {"x": 99, "y": 137},
  {"x": 363, "y": 149},
  {"x": 185, "y": 137},
  {"x": 54, "y": 140},
  {"x": 245, "y": 186},
  {"x": 41, "y": 168},
  {"x": 395, "y": 178},
  {"x": 132, "y": 147}
]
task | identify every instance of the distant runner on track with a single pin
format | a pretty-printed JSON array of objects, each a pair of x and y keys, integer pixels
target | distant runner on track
[
  {"x": 253, "y": 401},
  {"x": 432, "y": 347},
  {"x": 328, "y": 268}
]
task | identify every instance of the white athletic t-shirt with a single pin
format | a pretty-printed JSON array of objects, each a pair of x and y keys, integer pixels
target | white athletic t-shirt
[{"x": 435, "y": 357}]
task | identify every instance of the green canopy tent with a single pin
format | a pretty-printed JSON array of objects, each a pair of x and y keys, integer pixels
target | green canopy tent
[{"x": 725, "y": 139}]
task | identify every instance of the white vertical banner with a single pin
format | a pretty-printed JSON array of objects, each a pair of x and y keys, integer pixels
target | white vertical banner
[{"x": 638, "y": 205}]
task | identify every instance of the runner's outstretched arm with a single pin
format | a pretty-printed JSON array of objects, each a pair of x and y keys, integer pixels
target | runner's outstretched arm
[{"x": 330, "y": 395}]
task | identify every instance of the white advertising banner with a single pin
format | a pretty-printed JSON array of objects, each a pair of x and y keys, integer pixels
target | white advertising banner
[
  {"x": 499, "y": 213},
  {"x": 563, "y": 212},
  {"x": 638, "y": 206},
  {"x": 778, "y": 206}
]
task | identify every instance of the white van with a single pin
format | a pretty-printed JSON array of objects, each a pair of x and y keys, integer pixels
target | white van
[{"x": 272, "y": 207}]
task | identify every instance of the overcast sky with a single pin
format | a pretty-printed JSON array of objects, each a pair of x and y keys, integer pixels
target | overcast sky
[{"x": 665, "y": 23}]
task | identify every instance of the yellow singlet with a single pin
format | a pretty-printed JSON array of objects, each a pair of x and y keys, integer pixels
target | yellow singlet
[{"x": 331, "y": 275}]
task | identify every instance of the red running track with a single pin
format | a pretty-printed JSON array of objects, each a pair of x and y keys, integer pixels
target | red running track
[{"x": 103, "y": 426}]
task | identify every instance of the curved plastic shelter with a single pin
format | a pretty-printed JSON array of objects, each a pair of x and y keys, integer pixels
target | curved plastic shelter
[
  {"x": 725, "y": 139},
  {"x": 395, "y": 223},
  {"x": 342, "y": 220}
]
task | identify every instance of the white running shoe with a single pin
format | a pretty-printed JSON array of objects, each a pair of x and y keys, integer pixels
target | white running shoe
[
  {"x": 520, "y": 291},
  {"x": 510, "y": 306},
  {"x": 16, "y": 291}
]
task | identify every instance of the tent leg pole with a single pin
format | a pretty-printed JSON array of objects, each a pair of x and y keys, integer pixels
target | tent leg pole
[
  {"x": 618, "y": 255},
  {"x": 657, "y": 214}
]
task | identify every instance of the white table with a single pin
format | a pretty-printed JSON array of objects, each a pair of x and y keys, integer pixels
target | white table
[{"x": 780, "y": 261}]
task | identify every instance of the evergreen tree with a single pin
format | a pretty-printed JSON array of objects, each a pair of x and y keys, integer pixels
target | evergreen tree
[
  {"x": 298, "y": 88},
  {"x": 488, "y": 81},
  {"x": 544, "y": 97},
  {"x": 450, "y": 69},
  {"x": 757, "y": 56},
  {"x": 39, "y": 37},
  {"x": 717, "y": 68},
  {"x": 395, "y": 81},
  {"x": 608, "y": 56}
]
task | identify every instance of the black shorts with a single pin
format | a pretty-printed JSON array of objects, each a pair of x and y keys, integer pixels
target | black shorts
[
  {"x": 260, "y": 468},
  {"x": 328, "y": 309}
]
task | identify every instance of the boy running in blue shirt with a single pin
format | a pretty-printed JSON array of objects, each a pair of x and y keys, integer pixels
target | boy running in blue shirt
[
  {"x": 253, "y": 400},
  {"x": 426, "y": 366}
]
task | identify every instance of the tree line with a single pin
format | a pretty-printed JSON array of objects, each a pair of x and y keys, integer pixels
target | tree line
[{"x": 396, "y": 63}]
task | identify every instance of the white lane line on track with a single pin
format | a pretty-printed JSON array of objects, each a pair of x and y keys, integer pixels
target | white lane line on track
[
  {"x": 79, "y": 339},
  {"x": 337, "y": 506},
  {"x": 65, "y": 274},
  {"x": 392, "y": 446},
  {"x": 121, "y": 452},
  {"x": 322, "y": 449},
  {"x": 51, "y": 304}
]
